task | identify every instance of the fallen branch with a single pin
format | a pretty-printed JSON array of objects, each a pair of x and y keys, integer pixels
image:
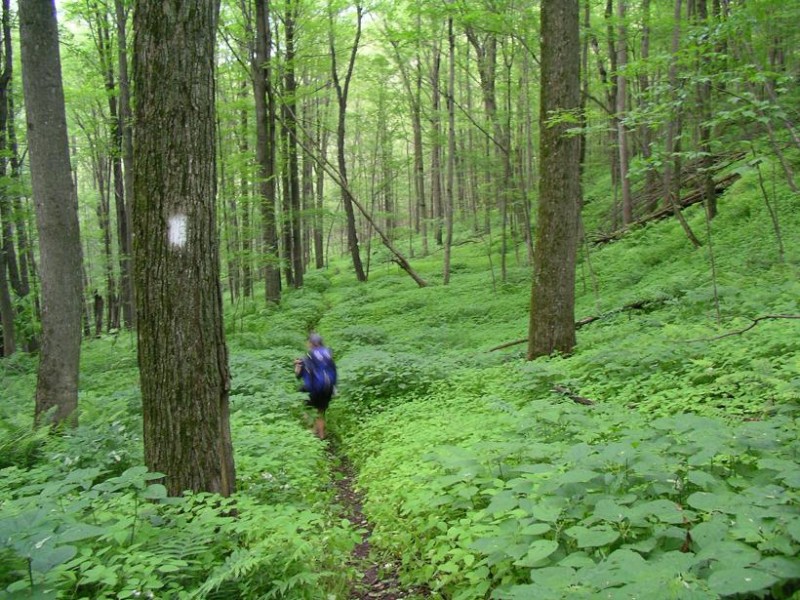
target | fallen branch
[
  {"x": 694, "y": 197},
  {"x": 572, "y": 396},
  {"x": 637, "y": 305},
  {"x": 755, "y": 322}
]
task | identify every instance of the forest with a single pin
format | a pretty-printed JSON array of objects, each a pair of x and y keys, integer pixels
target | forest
[{"x": 553, "y": 245}]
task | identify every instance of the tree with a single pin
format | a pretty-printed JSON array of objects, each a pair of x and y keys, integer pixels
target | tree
[
  {"x": 552, "y": 317},
  {"x": 56, "y": 213},
  {"x": 183, "y": 359},
  {"x": 342, "y": 88},
  {"x": 261, "y": 68}
]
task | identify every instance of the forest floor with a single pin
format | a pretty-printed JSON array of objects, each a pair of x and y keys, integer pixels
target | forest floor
[{"x": 376, "y": 580}]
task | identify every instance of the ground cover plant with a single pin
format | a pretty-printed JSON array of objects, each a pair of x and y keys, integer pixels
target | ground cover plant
[
  {"x": 81, "y": 517},
  {"x": 481, "y": 476},
  {"x": 681, "y": 481}
]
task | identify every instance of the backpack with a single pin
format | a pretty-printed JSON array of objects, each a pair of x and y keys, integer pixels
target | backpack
[{"x": 319, "y": 372}]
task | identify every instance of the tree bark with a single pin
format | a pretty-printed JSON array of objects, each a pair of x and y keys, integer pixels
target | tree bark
[
  {"x": 183, "y": 359},
  {"x": 622, "y": 109},
  {"x": 552, "y": 316},
  {"x": 261, "y": 68},
  {"x": 451, "y": 149},
  {"x": 8, "y": 338},
  {"x": 291, "y": 143},
  {"x": 342, "y": 90},
  {"x": 672, "y": 174},
  {"x": 56, "y": 214},
  {"x": 125, "y": 130}
]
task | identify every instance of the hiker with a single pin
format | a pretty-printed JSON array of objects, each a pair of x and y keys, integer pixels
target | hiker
[{"x": 318, "y": 371}]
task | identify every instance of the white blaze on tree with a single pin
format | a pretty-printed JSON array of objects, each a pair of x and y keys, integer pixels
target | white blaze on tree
[{"x": 176, "y": 229}]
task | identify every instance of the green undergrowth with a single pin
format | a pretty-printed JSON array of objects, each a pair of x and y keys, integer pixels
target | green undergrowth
[
  {"x": 680, "y": 481},
  {"x": 80, "y": 516},
  {"x": 481, "y": 476}
]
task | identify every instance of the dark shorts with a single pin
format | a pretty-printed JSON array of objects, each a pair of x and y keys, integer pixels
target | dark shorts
[{"x": 319, "y": 401}]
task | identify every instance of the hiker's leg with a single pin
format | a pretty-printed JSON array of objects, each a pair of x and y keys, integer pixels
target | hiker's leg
[{"x": 319, "y": 425}]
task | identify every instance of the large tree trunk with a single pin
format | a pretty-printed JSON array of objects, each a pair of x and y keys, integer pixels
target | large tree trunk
[
  {"x": 56, "y": 213},
  {"x": 261, "y": 68},
  {"x": 552, "y": 317},
  {"x": 183, "y": 359}
]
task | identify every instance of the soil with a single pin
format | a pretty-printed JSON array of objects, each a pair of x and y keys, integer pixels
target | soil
[{"x": 376, "y": 581}]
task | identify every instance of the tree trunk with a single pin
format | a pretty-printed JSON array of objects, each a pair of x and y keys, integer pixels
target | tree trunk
[
  {"x": 6, "y": 191},
  {"x": 322, "y": 148},
  {"x": 183, "y": 359},
  {"x": 622, "y": 109},
  {"x": 261, "y": 68},
  {"x": 451, "y": 149},
  {"x": 125, "y": 129},
  {"x": 290, "y": 122},
  {"x": 8, "y": 338},
  {"x": 56, "y": 213},
  {"x": 552, "y": 316},
  {"x": 342, "y": 89},
  {"x": 672, "y": 175},
  {"x": 436, "y": 144},
  {"x": 704, "y": 110}
]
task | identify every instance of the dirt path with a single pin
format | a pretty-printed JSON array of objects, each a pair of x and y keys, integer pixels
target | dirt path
[{"x": 377, "y": 581}]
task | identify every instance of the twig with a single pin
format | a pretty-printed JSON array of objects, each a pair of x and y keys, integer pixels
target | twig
[
  {"x": 572, "y": 396},
  {"x": 755, "y": 322}
]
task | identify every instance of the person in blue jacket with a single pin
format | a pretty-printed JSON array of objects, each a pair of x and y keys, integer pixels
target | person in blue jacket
[{"x": 318, "y": 371}]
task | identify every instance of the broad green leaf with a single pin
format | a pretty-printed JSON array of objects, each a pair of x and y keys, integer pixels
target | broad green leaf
[
  {"x": 793, "y": 528},
  {"x": 665, "y": 511},
  {"x": 553, "y": 577},
  {"x": 502, "y": 502},
  {"x": 727, "y": 582},
  {"x": 701, "y": 479},
  {"x": 593, "y": 537},
  {"x": 155, "y": 491},
  {"x": 74, "y": 533},
  {"x": 715, "y": 502},
  {"x": 48, "y": 557},
  {"x": 576, "y": 560},
  {"x": 781, "y": 566},
  {"x": 608, "y": 510},
  {"x": 729, "y": 555},
  {"x": 537, "y": 551},
  {"x": 577, "y": 476},
  {"x": 535, "y": 529}
]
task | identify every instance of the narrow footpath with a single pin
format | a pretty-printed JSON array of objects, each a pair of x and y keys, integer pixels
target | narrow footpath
[{"x": 377, "y": 581}]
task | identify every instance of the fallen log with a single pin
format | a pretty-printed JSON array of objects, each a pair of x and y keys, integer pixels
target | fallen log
[{"x": 690, "y": 199}]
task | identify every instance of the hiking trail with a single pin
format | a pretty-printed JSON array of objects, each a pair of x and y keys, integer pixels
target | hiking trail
[{"x": 373, "y": 581}]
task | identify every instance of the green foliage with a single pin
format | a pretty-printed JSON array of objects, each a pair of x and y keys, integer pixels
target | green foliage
[
  {"x": 82, "y": 518},
  {"x": 682, "y": 480},
  {"x": 376, "y": 378}
]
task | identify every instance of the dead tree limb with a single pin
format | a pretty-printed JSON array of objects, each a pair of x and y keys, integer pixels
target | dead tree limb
[
  {"x": 637, "y": 305},
  {"x": 694, "y": 197},
  {"x": 755, "y": 322},
  {"x": 559, "y": 389}
]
